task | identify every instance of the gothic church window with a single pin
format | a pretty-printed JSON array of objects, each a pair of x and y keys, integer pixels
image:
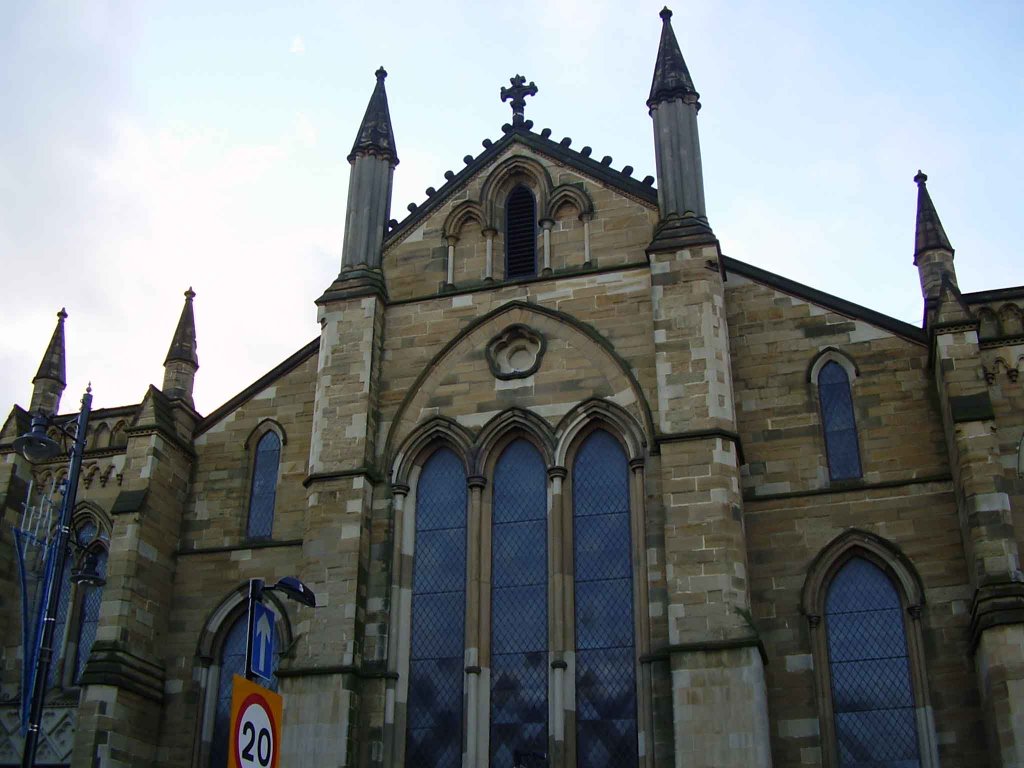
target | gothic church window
[
  {"x": 605, "y": 672},
  {"x": 520, "y": 234},
  {"x": 231, "y": 662},
  {"x": 838, "y": 423},
  {"x": 467, "y": 696},
  {"x": 519, "y": 600},
  {"x": 863, "y": 601},
  {"x": 264, "y": 486},
  {"x": 434, "y": 734},
  {"x": 78, "y": 607},
  {"x": 872, "y": 696}
]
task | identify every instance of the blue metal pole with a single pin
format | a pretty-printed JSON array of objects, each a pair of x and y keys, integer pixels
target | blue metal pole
[{"x": 51, "y": 590}]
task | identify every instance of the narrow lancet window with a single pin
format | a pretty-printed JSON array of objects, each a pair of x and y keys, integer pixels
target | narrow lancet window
[
  {"x": 436, "y": 662},
  {"x": 520, "y": 234},
  {"x": 264, "y": 487},
  {"x": 872, "y": 697},
  {"x": 519, "y": 617},
  {"x": 838, "y": 422},
  {"x": 232, "y": 661},
  {"x": 606, "y": 728}
]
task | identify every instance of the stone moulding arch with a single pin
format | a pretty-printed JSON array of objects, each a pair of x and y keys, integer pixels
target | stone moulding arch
[
  {"x": 510, "y": 172},
  {"x": 264, "y": 426},
  {"x": 847, "y": 544},
  {"x": 572, "y": 194},
  {"x": 494, "y": 432},
  {"x": 87, "y": 511},
  {"x": 615, "y": 418},
  {"x": 463, "y": 213},
  {"x": 220, "y": 618},
  {"x": 1011, "y": 320},
  {"x": 832, "y": 355},
  {"x": 397, "y": 423},
  {"x": 439, "y": 429}
]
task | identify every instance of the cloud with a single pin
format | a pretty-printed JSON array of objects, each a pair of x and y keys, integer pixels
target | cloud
[{"x": 298, "y": 45}]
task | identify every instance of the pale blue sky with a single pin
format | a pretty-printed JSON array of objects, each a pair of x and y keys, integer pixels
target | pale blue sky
[{"x": 147, "y": 147}]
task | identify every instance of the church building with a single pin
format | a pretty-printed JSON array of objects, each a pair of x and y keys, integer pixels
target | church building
[{"x": 572, "y": 488}]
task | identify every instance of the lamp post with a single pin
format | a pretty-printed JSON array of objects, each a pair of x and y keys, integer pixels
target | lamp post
[
  {"x": 38, "y": 446},
  {"x": 291, "y": 588}
]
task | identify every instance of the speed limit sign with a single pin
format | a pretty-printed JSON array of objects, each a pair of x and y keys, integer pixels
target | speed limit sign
[{"x": 255, "y": 735}]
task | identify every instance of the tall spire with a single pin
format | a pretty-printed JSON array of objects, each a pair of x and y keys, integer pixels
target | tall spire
[
  {"x": 182, "y": 361},
  {"x": 673, "y": 106},
  {"x": 183, "y": 345},
  {"x": 671, "y": 77},
  {"x": 933, "y": 255},
  {"x": 51, "y": 378},
  {"x": 375, "y": 136},
  {"x": 929, "y": 235},
  {"x": 373, "y": 160}
]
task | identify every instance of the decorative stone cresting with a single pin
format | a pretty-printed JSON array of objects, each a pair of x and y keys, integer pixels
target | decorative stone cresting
[{"x": 516, "y": 352}]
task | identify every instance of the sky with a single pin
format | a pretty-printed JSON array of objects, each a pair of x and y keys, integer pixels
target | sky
[{"x": 151, "y": 146}]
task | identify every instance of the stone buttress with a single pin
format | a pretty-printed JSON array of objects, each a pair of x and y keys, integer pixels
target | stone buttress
[
  {"x": 719, "y": 697},
  {"x": 324, "y": 685}
]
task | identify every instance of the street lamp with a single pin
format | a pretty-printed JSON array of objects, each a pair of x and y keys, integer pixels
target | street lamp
[{"x": 38, "y": 446}]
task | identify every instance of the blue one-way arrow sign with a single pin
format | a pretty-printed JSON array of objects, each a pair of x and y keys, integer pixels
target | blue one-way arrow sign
[{"x": 262, "y": 641}]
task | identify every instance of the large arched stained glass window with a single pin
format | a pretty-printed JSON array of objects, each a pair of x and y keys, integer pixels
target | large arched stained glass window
[
  {"x": 872, "y": 697},
  {"x": 264, "y": 487},
  {"x": 232, "y": 662},
  {"x": 519, "y": 616},
  {"x": 606, "y": 728},
  {"x": 436, "y": 664},
  {"x": 838, "y": 422}
]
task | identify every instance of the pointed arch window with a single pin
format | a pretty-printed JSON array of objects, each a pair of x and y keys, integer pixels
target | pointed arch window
[
  {"x": 519, "y": 576},
  {"x": 863, "y": 600},
  {"x": 872, "y": 696},
  {"x": 606, "y": 726},
  {"x": 264, "y": 486},
  {"x": 838, "y": 422},
  {"x": 436, "y": 666},
  {"x": 520, "y": 234},
  {"x": 231, "y": 661},
  {"x": 78, "y": 606},
  {"x": 519, "y": 600}
]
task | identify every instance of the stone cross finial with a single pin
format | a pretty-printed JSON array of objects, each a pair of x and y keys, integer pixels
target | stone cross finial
[{"x": 517, "y": 94}]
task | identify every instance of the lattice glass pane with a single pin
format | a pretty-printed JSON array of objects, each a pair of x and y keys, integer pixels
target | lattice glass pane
[
  {"x": 838, "y": 422},
  {"x": 606, "y": 726},
  {"x": 232, "y": 662},
  {"x": 436, "y": 667},
  {"x": 872, "y": 696},
  {"x": 90, "y": 616},
  {"x": 264, "y": 487},
  {"x": 519, "y": 617}
]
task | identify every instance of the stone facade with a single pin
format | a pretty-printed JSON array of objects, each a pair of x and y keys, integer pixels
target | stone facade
[{"x": 706, "y": 371}]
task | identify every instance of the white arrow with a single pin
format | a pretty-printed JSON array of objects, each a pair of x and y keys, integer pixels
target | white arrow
[{"x": 262, "y": 639}]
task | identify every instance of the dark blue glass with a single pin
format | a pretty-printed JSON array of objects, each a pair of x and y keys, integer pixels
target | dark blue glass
[
  {"x": 606, "y": 730},
  {"x": 872, "y": 698},
  {"x": 232, "y": 661},
  {"x": 838, "y": 422},
  {"x": 264, "y": 487},
  {"x": 84, "y": 534},
  {"x": 89, "y": 618},
  {"x": 436, "y": 661},
  {"x": 519, "y": 602}
]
